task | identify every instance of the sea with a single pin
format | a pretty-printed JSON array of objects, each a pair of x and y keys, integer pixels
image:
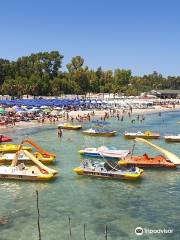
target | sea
[{"x": 71, "y": 203}]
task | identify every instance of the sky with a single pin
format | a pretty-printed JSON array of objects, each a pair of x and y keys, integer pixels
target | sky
[{"x": 141, "y": 35}]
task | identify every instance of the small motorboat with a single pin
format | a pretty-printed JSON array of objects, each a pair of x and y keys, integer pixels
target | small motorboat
[
  {"x": 6, "y": 148},
  {"x": 108, "y": 153},
  {"x": 5, "y": 139},
  {"x": 104, "y": 151},
  {"x": 36, "y": 172},
  {"x": 139, "y": 134},
  {"x": 172, "y": 138},
  {"x": 99, "y": 132},
  {"x": 146, "y": 161},
  {"x": 90, "y": 152},
  {"x": 105, "y": 170},
  {"x": 69, "y": 126}
]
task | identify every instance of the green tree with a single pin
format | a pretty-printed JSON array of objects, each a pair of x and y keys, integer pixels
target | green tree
[
  {"x": 76, "y": 64},
  {"x": 79, "y": 74}
]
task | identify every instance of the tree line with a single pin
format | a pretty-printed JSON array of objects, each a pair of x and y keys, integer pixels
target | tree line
[{"x": 41, "y": 74}]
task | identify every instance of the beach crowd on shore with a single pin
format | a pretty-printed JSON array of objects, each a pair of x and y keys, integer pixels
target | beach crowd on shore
[{"x": 28, "y": 116}]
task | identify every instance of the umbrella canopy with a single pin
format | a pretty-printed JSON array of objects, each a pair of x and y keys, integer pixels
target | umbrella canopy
[
  {"x": 43, "y": 107},
  {"x": 47, "y": 110},
  {"x": 9, "y": 109},
  {"x": 2, "y": 111},
  {"x": 54, "y": 113},
  {"x": 33, "y": 110}
]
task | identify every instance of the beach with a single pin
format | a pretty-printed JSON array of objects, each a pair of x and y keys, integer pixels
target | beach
[{"x": 97, "y": 114}]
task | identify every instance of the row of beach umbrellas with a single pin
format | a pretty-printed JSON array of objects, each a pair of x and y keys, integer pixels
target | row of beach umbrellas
[
  {"x": 50, "y": 102},
  {"x": 21, "y": 111}
]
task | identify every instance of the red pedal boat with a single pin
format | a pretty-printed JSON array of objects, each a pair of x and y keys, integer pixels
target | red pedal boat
[
  {"x": 5, "y": 139},
  {"x": 146, "y": 161}
]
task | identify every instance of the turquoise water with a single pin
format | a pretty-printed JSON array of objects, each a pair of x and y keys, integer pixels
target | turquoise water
[{"x": 153, "y": 202}]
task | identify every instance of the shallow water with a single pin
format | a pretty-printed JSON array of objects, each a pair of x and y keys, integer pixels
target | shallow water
[{"x": 152, "y": 202}]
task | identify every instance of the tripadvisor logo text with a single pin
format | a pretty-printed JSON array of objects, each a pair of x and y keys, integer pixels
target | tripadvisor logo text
[{"x": 140, "y": 231}]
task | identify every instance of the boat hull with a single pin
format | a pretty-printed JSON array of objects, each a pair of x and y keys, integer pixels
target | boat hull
[
  {"x": 6, "y": 148},
  {"x": 26, "y": 161},
  {"x": 126, "y": 176},
  {"x": 141, "y": 161},
  {"x": 140, "y": 136},
  {"x": 8, "y": 157},
  {"x": 172, "y": 140},
  {"x": 141, "y": 165},
  {"x": 28, "y": 178},
  {"x": 5, "y": 139},
  {"x": 70, "y": 127},
  {"x": 86, "y": 154},
  {"x": 108, "y": 134}
]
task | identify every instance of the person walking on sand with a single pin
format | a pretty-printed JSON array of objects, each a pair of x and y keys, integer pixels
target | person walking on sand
[
  {"x": 88, "y": 117},
  {"x": 72, "y": 119},
  {"x": 13, "y": 122},
  {"x": 131, "y": 109}
]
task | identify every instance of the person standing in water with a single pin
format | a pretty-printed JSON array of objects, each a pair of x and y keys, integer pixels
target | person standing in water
[
  {"x": 59, "y": 132},
  {"x": 118, "y": 116}
]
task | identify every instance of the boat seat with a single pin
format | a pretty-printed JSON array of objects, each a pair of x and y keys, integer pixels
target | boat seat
[{"x": 21, "y": 166}]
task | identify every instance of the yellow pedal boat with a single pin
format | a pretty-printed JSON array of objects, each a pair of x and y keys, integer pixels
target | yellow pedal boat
[
  {"x": 12, "y": 148},
  {"x": 69, "y": 126},
  {"x": 99, "y": 132},
  {"x": 104, "y": 171},
  {"x": 42, "y": 155},
  {"x": 139, "y": 134},
  {"x": 37, "y": 172},
  {"x": 6, "y": 158}
]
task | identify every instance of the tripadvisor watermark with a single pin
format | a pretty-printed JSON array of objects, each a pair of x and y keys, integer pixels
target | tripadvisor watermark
[{"x": 140, "y": 231}]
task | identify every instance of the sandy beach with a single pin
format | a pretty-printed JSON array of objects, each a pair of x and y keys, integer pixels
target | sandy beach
[{"x": 100, "y": 113}]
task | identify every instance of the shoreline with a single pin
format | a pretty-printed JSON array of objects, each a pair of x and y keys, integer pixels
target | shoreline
[{"x": 98, "y": 114}]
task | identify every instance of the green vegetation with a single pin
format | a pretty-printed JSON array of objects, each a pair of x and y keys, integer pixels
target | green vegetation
[{"x": 41, "y": 74}]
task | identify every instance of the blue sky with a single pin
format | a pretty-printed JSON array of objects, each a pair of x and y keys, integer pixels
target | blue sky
[{"x": 141, "y": 35}]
